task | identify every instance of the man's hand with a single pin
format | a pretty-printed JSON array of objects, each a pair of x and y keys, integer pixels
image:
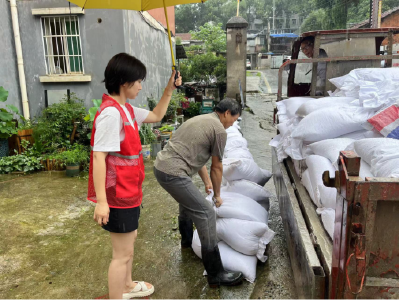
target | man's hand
[
  {"x": 218, "y": 201},
  {"x": 101, "y": 213},
  {"x": 208, "y": 187}
]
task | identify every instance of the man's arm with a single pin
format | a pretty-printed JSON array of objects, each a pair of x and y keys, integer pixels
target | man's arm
[
  {"x": 216, "y": 178},
  {"x": 203, "y": 173}
]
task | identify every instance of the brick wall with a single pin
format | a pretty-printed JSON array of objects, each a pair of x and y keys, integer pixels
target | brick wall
[{"x": 391, "y": 21}]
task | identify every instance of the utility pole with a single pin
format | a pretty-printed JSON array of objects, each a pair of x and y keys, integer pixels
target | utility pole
[
  {"x": 379, "y": 13},
  {"x": 274, "y": 11},
  {"x": 374, "y": 13}
]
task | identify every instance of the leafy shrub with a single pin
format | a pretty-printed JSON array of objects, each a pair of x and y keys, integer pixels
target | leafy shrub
[
  {"x": 146, "y": 135},
  {"x": 26, "y": 162},
  {"x": 55, "y": 126}
]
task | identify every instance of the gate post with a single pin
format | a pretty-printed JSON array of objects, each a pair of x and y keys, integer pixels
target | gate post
[{"x": 236, "y": 56}]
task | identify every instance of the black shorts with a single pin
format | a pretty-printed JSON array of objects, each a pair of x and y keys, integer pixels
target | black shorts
[{"x": 123, "y": 220}]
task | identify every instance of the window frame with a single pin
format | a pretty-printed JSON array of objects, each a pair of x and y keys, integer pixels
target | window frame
[{"x": 49, "y": 59}]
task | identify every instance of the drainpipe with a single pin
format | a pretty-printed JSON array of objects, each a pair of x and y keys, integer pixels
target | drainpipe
[{"x": 18, "y": 50}]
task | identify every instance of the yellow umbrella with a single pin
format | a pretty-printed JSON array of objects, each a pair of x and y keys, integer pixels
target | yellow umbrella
[{"x": 139, "y": 5}]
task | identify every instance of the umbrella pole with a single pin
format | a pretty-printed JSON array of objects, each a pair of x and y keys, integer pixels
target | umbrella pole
[{"x": 170, "y": 38}]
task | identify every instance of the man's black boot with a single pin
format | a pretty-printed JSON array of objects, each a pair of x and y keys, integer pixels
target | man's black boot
[
  {"x": 216, "y": 274},
  {"x": 186, "y": 232}
]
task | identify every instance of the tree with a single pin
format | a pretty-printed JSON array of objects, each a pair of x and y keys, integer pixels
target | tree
[
  {"x": 213, "y": 36},
  {"x": 315, "y": 21}
]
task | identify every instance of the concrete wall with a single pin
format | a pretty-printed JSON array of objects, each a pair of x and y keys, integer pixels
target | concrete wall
[
  {"x": 151, "y": 46},
  {"x": 118, "y": 31},
  {"x": 8, "y": 60}
]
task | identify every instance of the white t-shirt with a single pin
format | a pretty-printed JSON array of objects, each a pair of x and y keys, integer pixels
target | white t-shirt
[{"x": 109, "y": 128}]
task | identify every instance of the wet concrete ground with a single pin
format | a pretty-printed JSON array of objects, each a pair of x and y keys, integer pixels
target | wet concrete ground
[{"x": 51, "y": 247}]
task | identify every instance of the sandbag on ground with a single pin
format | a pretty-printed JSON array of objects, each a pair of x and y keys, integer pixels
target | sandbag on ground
[
  {"x": 246, "y": 237},
  {"x": 238, "y": 153},
  {"x": 237, "y": 169},
  {"x": 240, "y": 207},
  {"x": 231, "y": 259},
  {"x": 247, "y": 188}
]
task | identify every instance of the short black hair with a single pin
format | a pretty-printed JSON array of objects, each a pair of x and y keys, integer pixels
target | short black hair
[
  {"x": 228, "y": 104},
  {"x": 309, "y": 40},
  {"x": 123, "y": 68}
]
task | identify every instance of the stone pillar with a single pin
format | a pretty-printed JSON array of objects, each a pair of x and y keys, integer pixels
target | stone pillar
[{"x": 236, "y": 57}]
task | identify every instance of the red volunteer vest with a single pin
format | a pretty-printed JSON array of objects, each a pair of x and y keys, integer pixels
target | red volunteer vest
[{"x": 125, "y": 169}]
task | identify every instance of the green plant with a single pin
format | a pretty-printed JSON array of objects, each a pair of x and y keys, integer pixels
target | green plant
[
  {"x": 152, "y": 103},
  {"x": 77, "y": 155},
  {"x": 194, "y": 109},
  {"x": 166, "y": 128},
  {"x": 92, "y": 114},
  {"x": 7, "y": 126},
  {"x": 56, "y": 124},
  {"x": 146, "y": 135},
  {"x": 26, "y": 162}
]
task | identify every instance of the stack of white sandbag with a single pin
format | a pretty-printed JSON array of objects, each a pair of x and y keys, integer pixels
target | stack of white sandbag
[
  {"x": 373, "y": 87},
  {"x": 241, "y": 225},
  {"x": 238, "y": 162},
  {"x": 242, "y": 219},
  {"x": 313, "y": 132}
]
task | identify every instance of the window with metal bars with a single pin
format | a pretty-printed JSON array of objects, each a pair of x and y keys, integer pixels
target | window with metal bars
[{"x": 62, "y": 45}]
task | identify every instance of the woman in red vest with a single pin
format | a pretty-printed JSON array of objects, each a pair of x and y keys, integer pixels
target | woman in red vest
[{"x": 117, "y": 169}]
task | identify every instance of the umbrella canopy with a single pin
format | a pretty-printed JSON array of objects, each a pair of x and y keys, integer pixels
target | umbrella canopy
[{"x": 140, "y": 5}]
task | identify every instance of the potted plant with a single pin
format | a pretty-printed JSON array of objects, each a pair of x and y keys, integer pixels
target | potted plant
[
  {"x": 146, "y": 137},
  {"x": 8, "y": 126},
  {"x": 156, "y": 146},
  {"x": 151, "y": 103},
  {"x": 73, "y": 159},
  {"x": 25, "y": 133}
]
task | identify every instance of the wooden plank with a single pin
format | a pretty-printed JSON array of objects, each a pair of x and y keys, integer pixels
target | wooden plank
[{"x": 309, "y": 275}]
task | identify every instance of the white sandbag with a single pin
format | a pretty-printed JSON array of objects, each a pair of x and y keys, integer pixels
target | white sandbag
[
  {"x": 292, "y": 105},
  {"x": 362, "y": 134},
  {"x": 233, "y": 130},
  {"x": 381, "y": 154},
  {"x": 246, "y": 237},
  {"x": 329, "y": 123},
  {"x": 239, "y": 153},
  {"x": 283, "y": 128},
  {"x": 311, "y": 106},
  {"x": 235, "y": 141},
  {"x": 283, "y": 118},
  {"x": 322, "y": 196},
  {"x": 308, "y": 184},
  {"x": 328, "y": 219},
  {"x": 236, "y": 169},
  {"x": 330, "y": 148},
  {"x": 240, "y": 207},
  {"x": 365, "y": 170},
  {"x": 247, "y": 188},
  {"x": 231, "y": 259},
  {"x": 281, "y": 108}
]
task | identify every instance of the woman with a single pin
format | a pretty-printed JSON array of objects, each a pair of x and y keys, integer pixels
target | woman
[
  {"x": 117, "y": 168},
  {"x": 186, "y": 154}
]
